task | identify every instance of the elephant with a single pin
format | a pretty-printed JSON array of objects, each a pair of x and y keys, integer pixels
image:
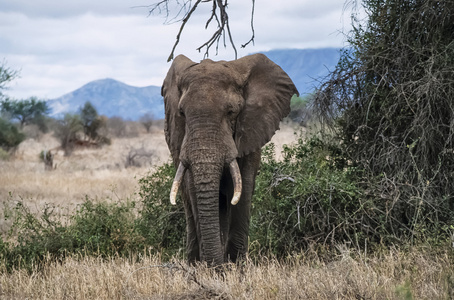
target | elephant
[{"x": 218, "y": 115}]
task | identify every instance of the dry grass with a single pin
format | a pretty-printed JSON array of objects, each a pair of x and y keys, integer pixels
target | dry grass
[
  {"x": 393, "y": 275},
  {"x": 99, "y": 173}
]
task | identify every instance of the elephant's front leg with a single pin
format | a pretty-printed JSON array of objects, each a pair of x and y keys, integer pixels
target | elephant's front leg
[
  {"x": 240, "y": 214},
  {"x": 192, "y": 242}
]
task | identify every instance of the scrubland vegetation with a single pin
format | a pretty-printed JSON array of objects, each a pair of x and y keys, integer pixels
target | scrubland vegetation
[
  {"x": 128, "y": 242},
  {"x": 362, "y": 209}
]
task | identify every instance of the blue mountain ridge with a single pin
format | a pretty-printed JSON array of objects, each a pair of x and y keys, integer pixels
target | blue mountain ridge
[{"x": 114, "y": 98}]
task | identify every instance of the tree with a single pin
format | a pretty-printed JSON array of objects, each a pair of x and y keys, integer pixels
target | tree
[
  {"x": 6, "y": 75},
  {"x": 391, "y": 101},
  {"x": 10, "y": 136},
  {"x": 147, "y": 121},
  {"x": 67, "y": 130},
  {"x": 185, "y": 10},
  {"x": 25, "y": 111},
  {"x": 90, "y": 120}
]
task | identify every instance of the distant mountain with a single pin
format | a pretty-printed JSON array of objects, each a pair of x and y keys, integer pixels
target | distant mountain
[
  {"x": 114, "y": 98},
  {"x": 305, "y": 66}
]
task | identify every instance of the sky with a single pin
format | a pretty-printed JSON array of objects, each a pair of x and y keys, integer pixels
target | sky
[{"x": 58, "y": 46}]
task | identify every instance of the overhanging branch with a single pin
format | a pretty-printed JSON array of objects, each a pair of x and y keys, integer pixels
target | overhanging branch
[{"x": 185, "y": 10}]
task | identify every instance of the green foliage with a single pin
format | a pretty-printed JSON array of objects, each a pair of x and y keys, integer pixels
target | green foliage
[
  {"x": 96, "y": 228},
  {"x": 309, "y": 197},
  {"x": 161, "y": 224},
  {"x": 105, "y": 228},
  {"x": 25, "y": 111},
  {"x": 92, "y": 124},
  {"x": 90, "y": 120},
  {"x": 10, "y": 136},
  {"x": 298, "y": 102},
  {"x": 66, "y": 130},
  {"x": 69, "y": 129},
  {"x": 299, "y": 111}
]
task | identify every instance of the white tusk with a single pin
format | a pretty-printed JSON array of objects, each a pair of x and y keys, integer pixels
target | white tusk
[
  {"x": 176, "y": 184},
  {"x": 237, "y": 184}
]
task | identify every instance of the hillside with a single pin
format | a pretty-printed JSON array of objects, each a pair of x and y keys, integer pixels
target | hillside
[
  {"x": 114, "y": 98},
  {"x": 305, "y": 66}
]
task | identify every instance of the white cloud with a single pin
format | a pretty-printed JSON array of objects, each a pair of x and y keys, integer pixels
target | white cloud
[
  {"x": 68, "y": 8},
  {"x": 60, "y": 45}
]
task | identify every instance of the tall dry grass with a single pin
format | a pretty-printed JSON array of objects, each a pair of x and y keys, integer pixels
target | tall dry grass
[
  {"x": 392, "y": 275},
  {"x": 97, "y": 172}
]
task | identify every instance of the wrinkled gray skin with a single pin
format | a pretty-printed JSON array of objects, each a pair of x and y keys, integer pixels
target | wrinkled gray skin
[{"x": 217, "y": 112}]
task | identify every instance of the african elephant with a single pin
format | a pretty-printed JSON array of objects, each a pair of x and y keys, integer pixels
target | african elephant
[{"x": 218, "y": 115}]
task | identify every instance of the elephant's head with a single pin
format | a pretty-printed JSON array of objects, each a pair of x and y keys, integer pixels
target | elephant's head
[{"x": 215, "y": 113}]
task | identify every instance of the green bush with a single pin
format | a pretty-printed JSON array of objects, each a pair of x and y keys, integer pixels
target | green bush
[
  {"x": 162, "y": 225},
  {"x": 310, "y": 196},
  {"x": 96, "y": 228},
  {"x": 10, "y": 136}
]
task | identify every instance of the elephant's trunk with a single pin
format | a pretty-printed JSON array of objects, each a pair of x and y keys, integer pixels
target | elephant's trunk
[
  {"x": 206, "y": 182},
  {"x": 205, "y": 155}
]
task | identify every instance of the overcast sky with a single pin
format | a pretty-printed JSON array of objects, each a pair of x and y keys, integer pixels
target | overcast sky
[{"x": 58, "y": 46}]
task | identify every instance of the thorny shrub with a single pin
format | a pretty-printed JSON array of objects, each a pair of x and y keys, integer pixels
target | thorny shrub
[{"x": 390, "y": 102}]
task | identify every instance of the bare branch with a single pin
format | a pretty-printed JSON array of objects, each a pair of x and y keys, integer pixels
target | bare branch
[
  {"x": 185, "y": 20},
  {"x": 218, "y": 13},
  {"x": 252, "y": 26}
]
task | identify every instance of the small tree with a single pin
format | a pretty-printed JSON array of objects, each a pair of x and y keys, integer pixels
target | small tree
[
  {"x": 67, "y": 130},
  {"x": 147, "y": 121},
  {"x": 6, "y": 75},
  {"x": 25, "y": 111},
  {"x": 10, "y": 136},
  {"x": 90, "y": 120}
]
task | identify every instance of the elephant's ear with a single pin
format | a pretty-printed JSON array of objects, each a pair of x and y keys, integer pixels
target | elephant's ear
[
  {"x": 267, "y": 92},
  {"x": 174, "y": 126}
]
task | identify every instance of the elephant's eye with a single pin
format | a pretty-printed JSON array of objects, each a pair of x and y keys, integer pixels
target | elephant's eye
[{"x": 181, "y": 112}]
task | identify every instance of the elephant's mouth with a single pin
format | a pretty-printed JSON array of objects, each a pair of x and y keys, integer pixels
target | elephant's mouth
[{"x": 236, "y": 178}]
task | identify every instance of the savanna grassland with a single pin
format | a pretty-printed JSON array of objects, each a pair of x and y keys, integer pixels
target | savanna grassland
[{"x": 344, "y": 271}]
